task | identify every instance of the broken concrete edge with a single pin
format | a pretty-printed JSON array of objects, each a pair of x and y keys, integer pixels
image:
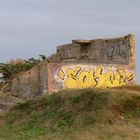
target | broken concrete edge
[{"x": 92, "y": 40}]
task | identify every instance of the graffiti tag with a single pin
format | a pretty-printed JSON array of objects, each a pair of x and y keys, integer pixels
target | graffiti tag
[
  {"x": 120, "y": 48},
  {"x": 79, "y": 78}
]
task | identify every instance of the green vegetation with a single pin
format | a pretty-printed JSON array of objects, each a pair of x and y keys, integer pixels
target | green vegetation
[
  {"x": 100, "y": 114},
  {"x": 9, "y": 70}
]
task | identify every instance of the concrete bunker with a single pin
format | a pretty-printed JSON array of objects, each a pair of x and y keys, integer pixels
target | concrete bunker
[{"x": 82, "y": 64}]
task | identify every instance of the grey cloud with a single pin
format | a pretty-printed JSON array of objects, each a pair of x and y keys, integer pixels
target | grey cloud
[{"x": 32, "y": 27}]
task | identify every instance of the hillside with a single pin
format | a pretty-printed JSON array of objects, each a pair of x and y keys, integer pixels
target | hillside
[{"x": 89, "y": 114}]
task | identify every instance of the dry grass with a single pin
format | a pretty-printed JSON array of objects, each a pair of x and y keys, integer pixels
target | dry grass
[
  {"x": 100, "y": 132},
  {"x": 88, "y": 114}
]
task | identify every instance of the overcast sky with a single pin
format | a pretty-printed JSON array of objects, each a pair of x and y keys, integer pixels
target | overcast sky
[{"x": 32, "y": 27}]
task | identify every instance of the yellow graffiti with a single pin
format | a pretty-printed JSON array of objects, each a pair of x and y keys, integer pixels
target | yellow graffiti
[
  {"x": 61, "y": 75},
  {"x": 94, "y": 78},
  {"x": 130, "y": 76}
]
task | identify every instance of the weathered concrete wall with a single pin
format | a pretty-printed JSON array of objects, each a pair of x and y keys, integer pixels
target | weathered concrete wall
[
  {"x": 65, "y": 76},
  {"x": 82, "y": 64},
  {"x": 31, "y": 83},
  {"x": 100, "y": 51}
]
